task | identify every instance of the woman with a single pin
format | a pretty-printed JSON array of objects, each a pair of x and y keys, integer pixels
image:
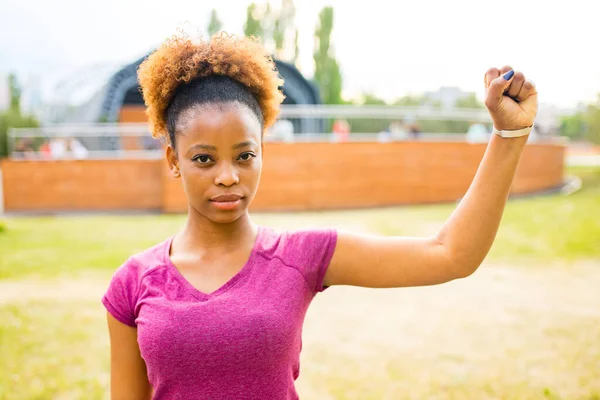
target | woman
[{"x": 216, "y": 311}]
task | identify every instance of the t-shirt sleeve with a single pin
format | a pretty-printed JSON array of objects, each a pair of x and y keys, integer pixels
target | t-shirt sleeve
[
  {"x": 120, "y": 298},
  {"x": 311, "y": 251}
]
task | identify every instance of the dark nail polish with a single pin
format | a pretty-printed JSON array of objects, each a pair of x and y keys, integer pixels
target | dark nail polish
[{"x": 509, "y": 74}]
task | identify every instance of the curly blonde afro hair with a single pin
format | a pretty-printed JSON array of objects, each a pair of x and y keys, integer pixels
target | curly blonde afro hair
[{"x": 180, "y": 60}]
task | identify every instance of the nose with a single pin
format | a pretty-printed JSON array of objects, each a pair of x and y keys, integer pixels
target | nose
[{"x": 227, "y": 175}]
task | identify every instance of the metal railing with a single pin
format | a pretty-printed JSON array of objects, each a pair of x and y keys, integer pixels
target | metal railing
[
  {"x": 384, "y": 112},
  {"x": 296, "y": 124}
]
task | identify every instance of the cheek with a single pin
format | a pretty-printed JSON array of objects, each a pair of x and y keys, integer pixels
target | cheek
[
  {"x": 194, "y": 177},
  {"x": 256, "y": 169}
]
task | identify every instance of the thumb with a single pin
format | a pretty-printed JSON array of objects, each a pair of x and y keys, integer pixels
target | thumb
[{"x": 496, "y": 90}]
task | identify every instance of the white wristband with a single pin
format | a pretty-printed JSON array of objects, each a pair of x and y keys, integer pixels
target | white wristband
[{"x": 515, "y": 133}]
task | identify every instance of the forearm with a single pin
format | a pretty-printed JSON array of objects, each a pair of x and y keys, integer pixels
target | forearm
[{"x": 468, "y": 234}]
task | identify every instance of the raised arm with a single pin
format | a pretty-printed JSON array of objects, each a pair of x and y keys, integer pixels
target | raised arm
[
  {"x": 128, "y": 378},
  {"x": 464, "y": 240}
]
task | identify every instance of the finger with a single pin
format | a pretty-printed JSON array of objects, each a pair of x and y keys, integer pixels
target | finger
[
  {"x": 490, "y": 75},
  {"x": 527, "y": 90},
  {"x": 496, "y": 90},
  {"x": 505, "y": 69},
  {"x": 516, "y": 85}
]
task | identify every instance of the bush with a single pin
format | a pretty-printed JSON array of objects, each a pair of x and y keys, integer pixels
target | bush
[
  {"x": 2, "y": 226},
  {"x": 13, "y": 119}
]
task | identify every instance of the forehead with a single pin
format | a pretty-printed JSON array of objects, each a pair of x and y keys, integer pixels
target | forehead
[{"x": 218, "y": 122}]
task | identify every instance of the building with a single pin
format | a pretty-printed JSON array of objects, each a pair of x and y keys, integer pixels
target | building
[{"x": 447, "y": 96}]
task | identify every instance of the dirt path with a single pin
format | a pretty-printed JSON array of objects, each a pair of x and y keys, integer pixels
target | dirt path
[{"x": 501, "y": 333}]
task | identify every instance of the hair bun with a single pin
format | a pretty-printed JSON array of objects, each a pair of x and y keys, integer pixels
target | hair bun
[{"x": 180, "y": 60}]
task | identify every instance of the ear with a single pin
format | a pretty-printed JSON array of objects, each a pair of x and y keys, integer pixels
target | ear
[{"x": 173, "y": 160}]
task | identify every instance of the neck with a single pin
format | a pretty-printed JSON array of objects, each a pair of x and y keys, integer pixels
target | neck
[{"x": 200, "y": 232}]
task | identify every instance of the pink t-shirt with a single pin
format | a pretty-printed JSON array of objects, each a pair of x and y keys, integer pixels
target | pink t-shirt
[{"x": 242, "y": 341}]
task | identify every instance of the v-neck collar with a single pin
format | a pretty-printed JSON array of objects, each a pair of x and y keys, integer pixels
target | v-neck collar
[{"x": 223, "y": 288}]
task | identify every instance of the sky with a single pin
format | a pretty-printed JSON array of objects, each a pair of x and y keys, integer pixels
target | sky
[{"x": 387, "y": 48}]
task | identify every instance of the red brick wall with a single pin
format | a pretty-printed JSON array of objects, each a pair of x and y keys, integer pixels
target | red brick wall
[
  {"x": 304, "y": 176},
  {"x": 81, "y": 185},
  {"x": 299, "y": 176}
]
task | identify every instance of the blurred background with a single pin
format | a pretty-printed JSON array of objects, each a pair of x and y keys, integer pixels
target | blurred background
[{"x": 381, "y": 132}]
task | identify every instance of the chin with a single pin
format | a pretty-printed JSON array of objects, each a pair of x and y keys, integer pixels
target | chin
[
  {"x": 221, "y": 216},
  {"x": 224, "y": 217}
]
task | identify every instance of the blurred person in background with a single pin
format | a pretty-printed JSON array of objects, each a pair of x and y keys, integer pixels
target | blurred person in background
[
  {"x": 216, "y": 311},
  {"x": 282, "y": 130},
  {"x": 477, "y": 133},
  {"x": 395, "y": 131},
  {"x": 24, "y": 149},
  {"x": 415, "y": 130},
  {"x": 58, "y": 148},
  {"x": 77, "y": 149},
  {"x": 341, "y": 130},
  {"x": 398, "y": 130},
  {"x": 411, "y": 126},
  {"x": 45, "y": 150}
]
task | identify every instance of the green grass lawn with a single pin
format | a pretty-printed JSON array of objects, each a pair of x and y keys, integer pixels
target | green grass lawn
[
  {"x": 56, "y": 346},
  {"x": 53, "y": 349},
  {"x": 534, "y": 229}
]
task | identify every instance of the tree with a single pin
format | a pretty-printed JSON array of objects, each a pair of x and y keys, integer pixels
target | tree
[
  {"x": 469, "y": 101},
  {"x": 411, "y": 101},
  {"x": 584, "y": 124},
  {"x": 279, "y": 35},
  {"x": 253, "y": 27},
  {"x": 284, "y": 31},
  {"x": 268, "y": 19},
  {"x": 296, "y": 48},
  {"x": 14, "y": 90},
  {"x": 573, "y": 126},
  {"x": 370, "y": 99},
  {"x": 275, "y": 27},
  {"x": 12, "y": 117},
  {"x": 368, "y": 125},
  {"x": 278, "y": 25},
  {"x": 215, "y": 25},
  {"x": 436, "y": 126},
  {"x": 592, "y": 120},
  {"x": 327, "y": 71}
]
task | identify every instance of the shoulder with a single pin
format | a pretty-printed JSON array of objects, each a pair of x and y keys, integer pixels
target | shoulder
[
  {"x": 290, "y": 245},
  {"x": 121, "y": 297},
  {"x": 143, "y": 263},
  {"x": 308, "y": 250}
]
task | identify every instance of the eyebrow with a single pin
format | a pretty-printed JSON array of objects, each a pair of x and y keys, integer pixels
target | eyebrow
[
  {"x": 213, "y": 148},
  {"x": 244, "y": 144},
  {"x": 203, "y": 147}
]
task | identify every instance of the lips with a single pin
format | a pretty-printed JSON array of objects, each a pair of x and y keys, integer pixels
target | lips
[
  {"x": 226, "y": 198},
  {"x": 227, "y": 202}
]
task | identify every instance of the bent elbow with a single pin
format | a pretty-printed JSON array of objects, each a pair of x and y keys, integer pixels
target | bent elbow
[
  {"x": 463, "y": 267},
  {"x": 466, "y": 272},
  {"x": 466, "y": 269}
]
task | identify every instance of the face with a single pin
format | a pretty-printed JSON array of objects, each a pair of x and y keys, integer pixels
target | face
[{"x": 218, "y": 155}]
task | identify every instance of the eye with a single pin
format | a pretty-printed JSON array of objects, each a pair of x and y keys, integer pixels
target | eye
[
  {"x": 246, "y": 156},
  {"x": 202, "y": 158}
]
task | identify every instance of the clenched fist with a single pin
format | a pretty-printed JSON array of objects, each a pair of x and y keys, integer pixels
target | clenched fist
[{"x": 510, "y": 98}]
